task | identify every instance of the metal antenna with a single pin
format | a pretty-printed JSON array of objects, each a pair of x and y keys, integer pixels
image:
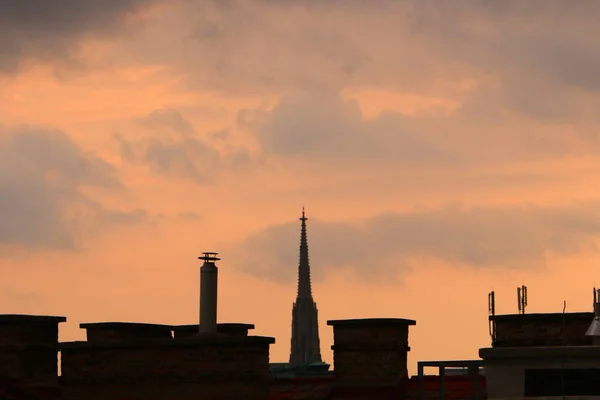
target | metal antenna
[
  {"x": 492, "y": 311},
  {"x": 522, "y": 298},
  {"x": 492, "y": 303}
]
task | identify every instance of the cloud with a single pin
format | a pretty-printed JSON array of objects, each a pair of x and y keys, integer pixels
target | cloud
[
  {"x": 50, "y": 30},
  {"x": 169, "y": 119},
  {"x": 537, "y": 60},
  {"x": 323, "y": 127},
  {"x": 171, "y": 147},
  {"x": 521, "y": 75},
  {"x": 389, "y": 244},
  {"x": 43, "y": 176}
]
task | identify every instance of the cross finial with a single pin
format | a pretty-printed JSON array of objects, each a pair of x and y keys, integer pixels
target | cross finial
[{"x": 303, "y": 215}]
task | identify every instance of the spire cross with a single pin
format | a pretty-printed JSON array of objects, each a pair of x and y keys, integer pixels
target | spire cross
[{"x": 303, "y": 218}]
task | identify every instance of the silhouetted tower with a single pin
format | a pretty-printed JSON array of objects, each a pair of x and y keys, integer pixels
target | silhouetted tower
[{"x": 306, "y": 346}]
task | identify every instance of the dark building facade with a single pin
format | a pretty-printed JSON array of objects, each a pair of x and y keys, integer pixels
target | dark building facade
[{"x": 305, "y": 346}]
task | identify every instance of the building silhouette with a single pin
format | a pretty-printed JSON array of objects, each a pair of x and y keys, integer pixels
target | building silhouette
[{"x": 305, "y": 343}]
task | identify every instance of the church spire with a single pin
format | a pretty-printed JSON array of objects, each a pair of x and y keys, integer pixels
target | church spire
[
  {"x": 305, "y": 343},
  {"x": 304, "y": 284}
]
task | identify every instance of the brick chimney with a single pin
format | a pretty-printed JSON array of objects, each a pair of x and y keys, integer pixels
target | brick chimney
[
  {"x": 370, "y": 352},
  {"x": 28, "y": 348}
]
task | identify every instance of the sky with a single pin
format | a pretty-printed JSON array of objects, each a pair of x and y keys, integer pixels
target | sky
[{"x": 441, "y": 149}]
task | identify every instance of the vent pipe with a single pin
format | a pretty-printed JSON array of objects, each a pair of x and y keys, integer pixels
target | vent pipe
[
  {"x": 208, "y": 293},
  {"x": 594, "y": 329}
]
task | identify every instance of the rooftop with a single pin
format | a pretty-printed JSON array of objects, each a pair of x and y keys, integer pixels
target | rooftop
[{"x": 122, "y": 325}]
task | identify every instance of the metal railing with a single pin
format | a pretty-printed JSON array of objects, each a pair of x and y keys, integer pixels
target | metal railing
[{"x": 473, "y": 367}]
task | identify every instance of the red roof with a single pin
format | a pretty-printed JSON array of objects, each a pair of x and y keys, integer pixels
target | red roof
[
  {"x": 323, "y": 388},
  {"x": 308, "y": 388},
  {"x": 456, "y": 387}
]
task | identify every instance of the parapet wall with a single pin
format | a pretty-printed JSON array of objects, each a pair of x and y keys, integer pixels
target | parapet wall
[
  {"x": 558, "y": 329},
  {"x": 125, "y": 331},
  {"x": 230, "y": 329}
]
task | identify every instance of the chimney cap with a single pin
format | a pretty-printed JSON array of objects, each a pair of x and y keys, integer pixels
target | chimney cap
[
  {"x": 27, "y": 319},
  {"x": 209, "y": 256},
  {"x": 370, "y": 322}
]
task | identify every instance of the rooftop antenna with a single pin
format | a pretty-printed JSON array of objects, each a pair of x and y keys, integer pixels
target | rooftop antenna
[
  {"x": 492, "y": 311},
  {"x": 492, "y": 303},
  {"x": 522, "y": 298}
]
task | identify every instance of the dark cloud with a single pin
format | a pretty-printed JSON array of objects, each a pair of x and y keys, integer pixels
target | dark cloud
[
  {"x": 173, "y": 148},
  {"x": 43, "y": 175},
  {"x": 51, "y": 29},
  {"x": 386, "y": 245}
]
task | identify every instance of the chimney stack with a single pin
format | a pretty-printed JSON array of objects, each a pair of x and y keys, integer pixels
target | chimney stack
[
  {"x": 370, "y": 352},
  {"x": 208, "y": 293},
  {"x": 594, "y": 329}
]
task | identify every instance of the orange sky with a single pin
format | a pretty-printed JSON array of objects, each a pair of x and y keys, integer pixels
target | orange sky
[{"x": 436, "y": 162}]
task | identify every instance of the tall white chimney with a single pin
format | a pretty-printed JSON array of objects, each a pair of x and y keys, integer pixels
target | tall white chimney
[{"x": 208, "y": 293}]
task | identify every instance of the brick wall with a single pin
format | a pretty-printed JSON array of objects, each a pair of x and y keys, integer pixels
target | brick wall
[
  {"x": 517, "y": 330},
  {"x": 223, "y": 368},
  {"x": 29, "y": 362},
  {"x": 28, "y": 348},
  {"x": 125, "y": 331},
  {"x": 370, "y": 352}
]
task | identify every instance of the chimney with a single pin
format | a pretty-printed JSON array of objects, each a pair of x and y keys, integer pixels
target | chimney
[
  {"x": 594, "y": 329},
  {"x": 370, "y": 352},
  {"x": 208, "y": 293},
  {"x": 28, "y": 348}
]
